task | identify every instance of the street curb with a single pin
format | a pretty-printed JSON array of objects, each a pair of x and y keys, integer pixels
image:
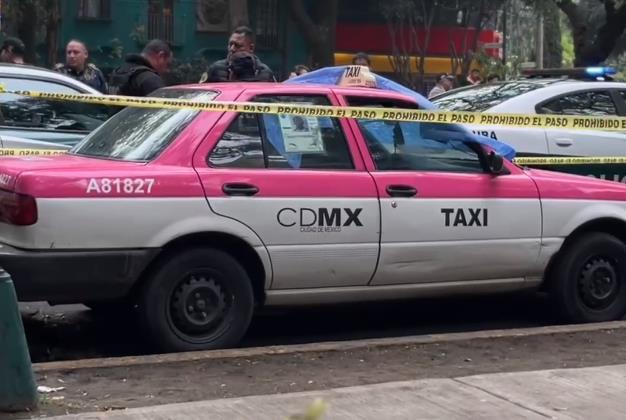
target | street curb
[{"x": 330, "y": 346}]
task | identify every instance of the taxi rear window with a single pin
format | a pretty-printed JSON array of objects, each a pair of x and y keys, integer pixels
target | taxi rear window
[{"x": 141, "y": 134}]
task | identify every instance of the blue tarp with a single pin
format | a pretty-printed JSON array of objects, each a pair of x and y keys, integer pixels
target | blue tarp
[{"x": 332, "y": 76}]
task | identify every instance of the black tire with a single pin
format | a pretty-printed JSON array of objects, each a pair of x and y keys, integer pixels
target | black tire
[
  {"x": 588, "y": 281},
  {"x": 198, "y": 299}
]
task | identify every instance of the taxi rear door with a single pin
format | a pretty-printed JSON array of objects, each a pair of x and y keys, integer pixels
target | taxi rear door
[{"x": 300, "y": 184}]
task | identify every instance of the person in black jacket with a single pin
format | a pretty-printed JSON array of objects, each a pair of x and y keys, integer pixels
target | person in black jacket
[
  {"x": 241, "y": 41},
  {"x": 141, "y": 74}
]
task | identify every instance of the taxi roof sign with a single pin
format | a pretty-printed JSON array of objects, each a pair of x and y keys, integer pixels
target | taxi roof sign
[{"x": 357, "y": 76}]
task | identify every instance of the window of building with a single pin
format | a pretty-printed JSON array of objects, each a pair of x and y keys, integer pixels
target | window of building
[
  {"x": 283, "y": 141},
  {"x": 94, "y": 9},
  {"x": 161, "y": 23},
  {"x": 267, "y": 31},
  {"x": 584, "y": 103}
]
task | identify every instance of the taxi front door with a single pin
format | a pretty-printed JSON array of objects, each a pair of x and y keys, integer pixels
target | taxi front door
[{"x": 443, "y": 217}]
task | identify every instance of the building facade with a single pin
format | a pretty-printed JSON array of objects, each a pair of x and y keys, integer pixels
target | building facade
[{"x": 195, "y": 28}]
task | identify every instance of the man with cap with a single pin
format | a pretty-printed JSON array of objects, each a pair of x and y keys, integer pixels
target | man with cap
[{"x": 445, "y": 82}]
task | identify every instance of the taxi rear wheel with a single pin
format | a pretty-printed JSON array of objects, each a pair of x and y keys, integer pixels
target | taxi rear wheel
[
  {"x": 589, "y": 280},
  {"x": 199, "y": 299}
]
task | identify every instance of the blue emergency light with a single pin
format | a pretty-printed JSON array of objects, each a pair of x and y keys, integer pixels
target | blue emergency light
[
  {"x": 600, "y": 71},
  {"x": 580, "y": 73}
]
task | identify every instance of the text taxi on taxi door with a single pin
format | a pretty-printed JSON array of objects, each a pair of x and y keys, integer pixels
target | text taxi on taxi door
[{"x": 197, "y": 218}]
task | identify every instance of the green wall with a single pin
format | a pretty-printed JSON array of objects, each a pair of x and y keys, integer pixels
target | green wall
[{"x": 105, "y": 37}]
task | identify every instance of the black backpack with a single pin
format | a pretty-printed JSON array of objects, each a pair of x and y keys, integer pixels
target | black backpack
[{"x": 121, "y": 82}]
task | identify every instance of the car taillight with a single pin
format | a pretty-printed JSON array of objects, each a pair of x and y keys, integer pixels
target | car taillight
[{"x": 17, "y": 209}]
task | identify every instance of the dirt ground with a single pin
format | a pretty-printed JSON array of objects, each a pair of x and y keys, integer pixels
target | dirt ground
[{"x": 119, "y": 388}]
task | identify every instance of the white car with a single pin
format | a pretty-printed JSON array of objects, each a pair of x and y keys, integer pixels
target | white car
[
  {"x": 62, "y": 123},
  {"x": 552, "y": 95}
]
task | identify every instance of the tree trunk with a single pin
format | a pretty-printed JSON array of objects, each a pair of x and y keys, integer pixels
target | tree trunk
[
  {"x": 552, "y": 48},
  {"x": 52, "y": 31},
  {"x": 27, "y": 28},
  {"x": 318, "y": 29}
]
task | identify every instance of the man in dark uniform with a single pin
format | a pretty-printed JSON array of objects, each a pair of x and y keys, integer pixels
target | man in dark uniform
[
  {"x": 241, "y": 41},
  {"x": 76, "y": 66},
  {"x": 141, "y": 74}
]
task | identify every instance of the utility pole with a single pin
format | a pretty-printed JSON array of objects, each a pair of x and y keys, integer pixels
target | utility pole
[{"x": 539, "y": 40}]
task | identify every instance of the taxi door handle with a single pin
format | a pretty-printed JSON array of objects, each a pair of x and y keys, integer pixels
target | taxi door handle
[
  {"x": 401, "y": 191},
  {"x": 563, "y": 141},
  {"x": 239, "y": 189}
]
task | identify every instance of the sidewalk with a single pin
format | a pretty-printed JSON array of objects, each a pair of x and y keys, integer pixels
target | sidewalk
[{"x": 588, "y": 393}]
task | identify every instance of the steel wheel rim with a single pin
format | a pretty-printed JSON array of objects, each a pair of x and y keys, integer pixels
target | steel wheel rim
[
  {"x": 199, "y": 307},
  {"x": 599, "y": 282}
]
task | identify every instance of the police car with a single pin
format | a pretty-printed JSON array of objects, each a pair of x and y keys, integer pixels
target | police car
[
  {"x": 194, "y": 219},
  {"x": 586, "y": 91},
  {"x": 41, "y": 122}
]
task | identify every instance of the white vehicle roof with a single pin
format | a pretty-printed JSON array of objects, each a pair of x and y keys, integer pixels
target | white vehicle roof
[
  {"x": 33, "y": 72},
  {"x": 10, "y": 142},
  {"x": 524, "y": 94}
]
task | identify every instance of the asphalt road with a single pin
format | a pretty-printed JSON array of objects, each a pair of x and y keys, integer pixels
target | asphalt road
[{"x": 75, "y": 332}]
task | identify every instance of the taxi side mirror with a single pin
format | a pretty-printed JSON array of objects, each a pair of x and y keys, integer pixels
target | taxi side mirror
[{"x": 495, "y": 162}]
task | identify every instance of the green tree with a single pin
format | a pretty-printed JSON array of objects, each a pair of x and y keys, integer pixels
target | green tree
[
  {"x": 405, "y": 19},
  {"x": 33, "y": 19},
  {"x": 596, "y": 26},
  {"x": 552, "y": 42}
]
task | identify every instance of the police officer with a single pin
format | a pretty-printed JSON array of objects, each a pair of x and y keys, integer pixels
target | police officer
[
  {"x": 141, "y": 74},
  {"x": 76, "y": 66},
  {"x": 240, "y": 41}
]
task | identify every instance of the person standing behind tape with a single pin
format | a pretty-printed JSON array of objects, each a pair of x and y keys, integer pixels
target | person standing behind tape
[
  {"x": 12, "y": 51},
  {"x": 77, "y": 67},
  {"x": 241, "y": 41},
  {"x": 141, "y": 74},
  {"x": 445, "y": 82}
]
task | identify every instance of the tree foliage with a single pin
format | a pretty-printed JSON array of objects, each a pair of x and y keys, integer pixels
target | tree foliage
[
  {"x": 32, "y": 19},
  {"x": 596, "y": 27},
  {"x": 410, "y": 23}
]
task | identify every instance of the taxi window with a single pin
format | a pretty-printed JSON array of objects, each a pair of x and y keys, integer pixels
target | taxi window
[
  {"x": 583, "y": 103},
  {"x": 414, "y": 146},
  {"x": 26, "y": 112},
  {"x": 140, "y": 134},
  {"x": 283, "y": 141}
]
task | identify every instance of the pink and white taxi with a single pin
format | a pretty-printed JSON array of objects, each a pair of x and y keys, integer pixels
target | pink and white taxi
[{"x": 194, "y": 219}]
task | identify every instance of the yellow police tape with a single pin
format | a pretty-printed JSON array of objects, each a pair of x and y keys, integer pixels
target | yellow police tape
[
  {"x": 561, "y": 160},
  {"x": 434, "y": 116},
  {"x": 31, "y": 152},
  {"x": 576, "y": 160}
]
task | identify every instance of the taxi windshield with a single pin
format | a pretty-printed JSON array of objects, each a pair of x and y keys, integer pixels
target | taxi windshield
[
  {"x": 483, "y": 97},
  {"x": 141, "y": 134}
]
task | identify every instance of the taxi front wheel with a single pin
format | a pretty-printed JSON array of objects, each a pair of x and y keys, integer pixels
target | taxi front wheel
[
  {"x": 588, "y": 281},
  {"x": 199, "y": 299}
]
